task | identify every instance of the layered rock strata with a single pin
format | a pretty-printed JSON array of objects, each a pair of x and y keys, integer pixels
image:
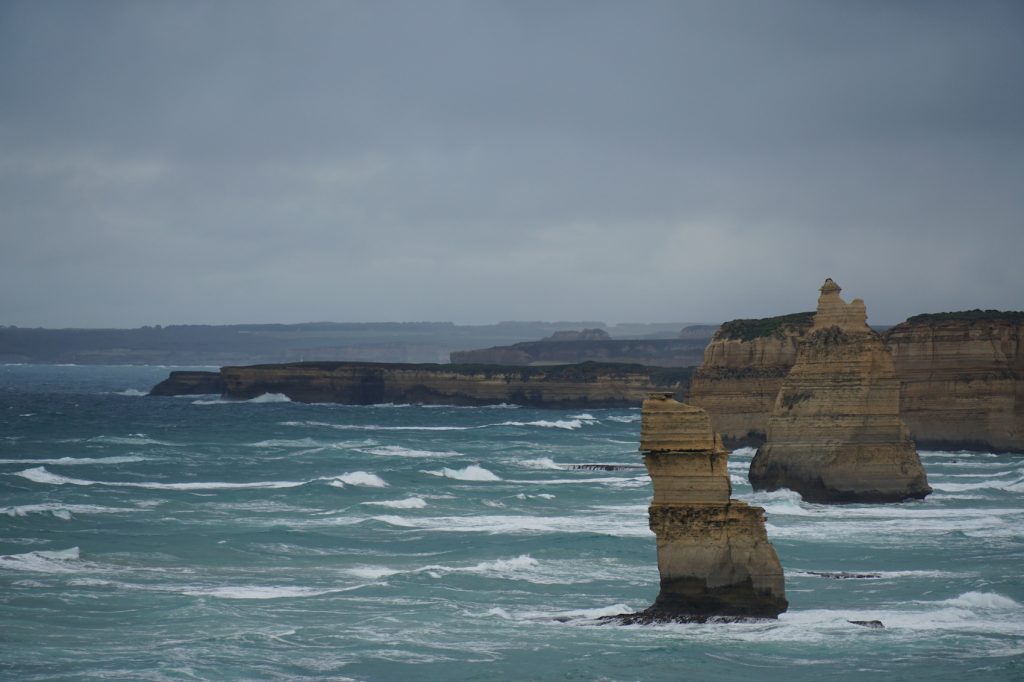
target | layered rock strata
[
  {"x": 835, "y": 433},
  {"x": 742, "y": 372},
  {"x": 568, "y": 386},
  {"x": 962, "y": 379},
  {"x": 714, "y": 557}
]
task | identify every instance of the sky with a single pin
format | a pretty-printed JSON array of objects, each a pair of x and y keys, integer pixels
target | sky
[{"x": 168, "y": 162}]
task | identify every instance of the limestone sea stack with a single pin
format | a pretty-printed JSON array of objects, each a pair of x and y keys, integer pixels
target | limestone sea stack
[
  {"x": 714, "y": 557},
  {"x": 835, "y": 433}
]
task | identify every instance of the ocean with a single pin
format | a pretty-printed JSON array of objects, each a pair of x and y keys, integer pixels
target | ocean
[{"x": 191, "y": 538}]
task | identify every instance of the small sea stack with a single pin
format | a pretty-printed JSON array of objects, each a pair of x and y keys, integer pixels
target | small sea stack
[
  {"x": 714, "y": 557},
  {"x": 835, "y": 433}
]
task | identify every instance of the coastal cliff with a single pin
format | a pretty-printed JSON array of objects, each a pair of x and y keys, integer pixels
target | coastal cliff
[
  {"x": 962, "y": 379},
  {"x": 742, "y": 372},
  {"x": 569, "y": 386},
  {"x": 714, "y": 557},
  {"x": 835, "y": 433},
  {"x": 189, "y": 383},
  {"x": 680, "y": 352}
]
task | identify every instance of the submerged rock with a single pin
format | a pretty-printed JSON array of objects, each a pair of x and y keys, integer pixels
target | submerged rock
[
  {"x": 873, "y": 624},
  {"x": 835, "y": 434},
  {"x": 714, "y": 557}
]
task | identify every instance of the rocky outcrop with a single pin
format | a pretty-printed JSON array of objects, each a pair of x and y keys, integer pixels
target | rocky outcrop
[
  {"x": 189, "y": 383},
  {"x": 835, "y": 433},
  {"x": 569, "y": 386},
  {"x": 714, "y": 557},
  {"x": 962, "y": 379},
  {"x": 742, "y": 372}
]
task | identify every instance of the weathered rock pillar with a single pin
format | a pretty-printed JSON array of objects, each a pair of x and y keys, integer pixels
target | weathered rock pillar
[
  {"x": 835, "y": 434},
  {"x": 714, "y": 557}
]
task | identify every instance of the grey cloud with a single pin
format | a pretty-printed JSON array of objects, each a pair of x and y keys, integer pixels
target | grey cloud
[{"x": 467, "y": 161}]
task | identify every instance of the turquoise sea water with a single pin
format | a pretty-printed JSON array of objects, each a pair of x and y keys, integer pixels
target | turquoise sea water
[{"x": 187, "y": 538}]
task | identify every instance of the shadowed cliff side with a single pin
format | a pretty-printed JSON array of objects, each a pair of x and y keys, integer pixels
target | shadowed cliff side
[
  {"x": 835, "y": 433},
  {"x": 714, "y": 557},
  {"x": 570, "y": 386}
]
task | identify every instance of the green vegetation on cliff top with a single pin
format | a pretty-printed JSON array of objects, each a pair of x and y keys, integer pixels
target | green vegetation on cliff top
[
  {"x": 975, "y": 315},
  {"x": 747, "y": 330}
]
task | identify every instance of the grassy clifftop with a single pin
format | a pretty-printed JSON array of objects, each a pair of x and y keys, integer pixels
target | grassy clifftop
[
  {"x": 747, "y": 330},
  {"x": 975, "y": 315}
]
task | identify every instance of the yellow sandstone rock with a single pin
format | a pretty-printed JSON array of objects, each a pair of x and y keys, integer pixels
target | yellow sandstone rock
[
  {"x": 835, "y": 433},
  {"x": 714, "y": 557}
]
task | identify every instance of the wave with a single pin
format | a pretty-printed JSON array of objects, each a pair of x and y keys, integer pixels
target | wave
[
  {"x": 264, "y": 398},
  {"x": 58, "y": 561},
  {"x": 359, "y": 478},
  {"x": 614, "y": 481},
  {"x": 72, "y": 461},
  {"x": 41, "y": 475},
  {"x": 407, "y": 503},
  {"x": 568, "y": 424},
  {"x": 64, "y": 511},
  {"x": 473, "y": 472},
  {"x": 399, "y": 451},
  {"x": 606, "y": 524},
  {"x": 263, "y": 591},
  {"x": 131, "y": 439},
  {"x": 982, "y": 601},
  {"x": 991, "y": 484},
  {"x": 540, "y": 463},
  {"x": 628, "y": 419},
  {"x": 376, "y": 427},
  {"x": 131, "y": 392}
]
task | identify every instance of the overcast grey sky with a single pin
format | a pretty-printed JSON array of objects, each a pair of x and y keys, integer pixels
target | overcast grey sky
[{"x": 217, "y": 162}]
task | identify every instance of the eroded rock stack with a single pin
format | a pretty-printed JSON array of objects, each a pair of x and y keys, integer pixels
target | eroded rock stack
[
  {"x": 835, "y": 433},
  {"x": 714, "y": 557}
]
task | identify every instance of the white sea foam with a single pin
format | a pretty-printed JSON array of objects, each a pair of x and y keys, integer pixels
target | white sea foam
[
  {"x": 616, "y": 526},
  {"x": 131, "y": 439},
  {"x": 131, "y": 392},
  {"x": 407, "y": 503},
  {"x": 264, "y": 398},
  {"x": 628, "y": 419},
  {"x": 613, "y": 481},
  {"x": 64, "y": 511},
  {"x": 540, "y": 463},
  {"x": 474, "y": 472},
  {"x": 73, "y": 461},
  {"x": 399, "y": 451},
  {"x": 574, "y": 614},
  {"x": 1015, "y": 486},
  {"x": 288, "y": 443},
  {"x": 375, "y": 427},
  {"x": 543, "y": 496},
  {"x": 40, "y": 561},
  {"x": 568, "y": 424},
  {"x": 359, "y": 478},
  {"x": 976, "y": 601},
  {"x": 41, "y": 475},
  {"x": 263, "y": 591}
]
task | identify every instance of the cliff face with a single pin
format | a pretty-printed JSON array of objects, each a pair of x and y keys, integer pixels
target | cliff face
[
  {"x": 962, "y": 379},
  {"x": 742, "y": 372},
  {"x": 714, "y": 557},
  {"x": 585, "y": 385},
  {"x": 835, "y": 434}
]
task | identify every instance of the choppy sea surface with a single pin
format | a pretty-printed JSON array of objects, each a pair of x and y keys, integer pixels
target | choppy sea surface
[{"x": 189, "y": 538}]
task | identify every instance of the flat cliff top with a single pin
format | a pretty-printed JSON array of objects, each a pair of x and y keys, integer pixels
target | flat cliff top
[
  {"x": 1014, "y": 316},
  {"x": 747, "y": 330},
  {"x": 570, "y": 372}
]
